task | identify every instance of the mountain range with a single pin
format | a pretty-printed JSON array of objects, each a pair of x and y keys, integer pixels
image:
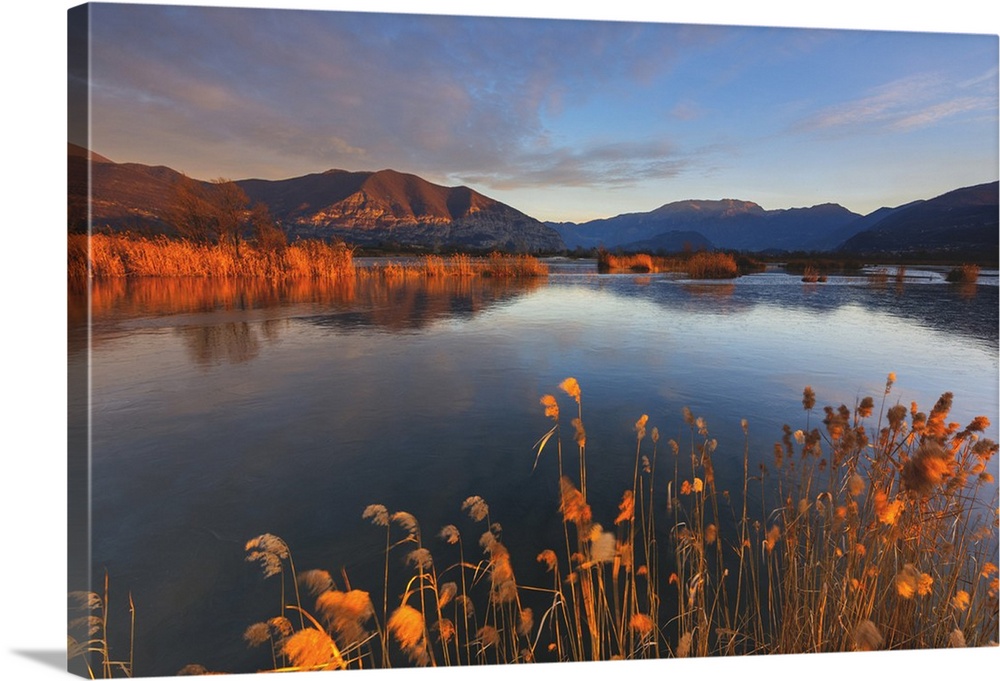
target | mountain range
[
  {"x": 363, "y": 208},
  {"x": 962, "y": 221},
  {"x": 727, "y": 224},
  {"x": 388, "y": 208}
]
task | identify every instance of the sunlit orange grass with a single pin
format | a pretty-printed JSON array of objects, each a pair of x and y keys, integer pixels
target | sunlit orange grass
[
  {"x": 705, "y": 265},
  {"x": 88, "y": 634},
  {"x": 406, "y": 624},
  {"x": 346, "y": 613},
  {"x": 900, "y": 515},
  {"x": 120, "y": 255},
  {"x": 964, "y": 274},
  {"x": 871, "y": 553},
  {"x": 511, "y": 266},
  {"x": 461, "y": 265},
  {"x": 701, "y": 265},
  {"x": 574, "y": 507},
  {"x": 311, "y": 649},
  {"x": 641, "y": 263},
  {"x": 316, "y": 259},
  {"x": 497, "y": 265}
]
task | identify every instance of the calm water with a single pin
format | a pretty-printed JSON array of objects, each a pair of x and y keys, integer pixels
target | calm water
[{"x": 223, "y": 412}]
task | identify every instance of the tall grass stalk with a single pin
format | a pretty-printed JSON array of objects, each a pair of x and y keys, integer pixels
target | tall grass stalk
[
  {"x": 875, "y": 530},
  {"x": 101, "y": 256},
  {"x": 700, "y": 265},
  {"x": 111, "y": 256},
  {"x": 88, "y": 634}
]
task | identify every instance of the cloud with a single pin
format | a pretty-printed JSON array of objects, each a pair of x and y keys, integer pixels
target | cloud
[
  {"x": 266, "y": 89},
  {"x": 987, "y": 78},
  {"x": 934, "y": 113},
  {"x": 902, "y": 105},
  {"x": 604, "y": 165},
  {"x": 687, "y": 110}
]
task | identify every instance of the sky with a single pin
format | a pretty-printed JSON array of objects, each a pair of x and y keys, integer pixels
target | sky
[{"x": 564, "y": 119}]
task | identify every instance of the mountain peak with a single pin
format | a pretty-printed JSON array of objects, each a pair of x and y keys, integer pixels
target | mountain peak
[
  {"x": 962, "y": 222},
  {"x": 384, "y": 206},
  {"x": 710, "y": 207},
  {"x": 76, "y": 151}
]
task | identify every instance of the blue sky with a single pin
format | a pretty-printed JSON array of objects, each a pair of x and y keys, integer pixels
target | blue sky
[{"x": 563, "y": 119}]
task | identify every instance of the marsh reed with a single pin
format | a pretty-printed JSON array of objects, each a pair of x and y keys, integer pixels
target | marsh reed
[
  {"x": 117, "y": 256},
  {"x": 700, "y": 265},
  {"x": 430, "y": 267},
  {"x": 101, "y": 256},
  {"x": 876, "y": 529},
  {"x": 963, "y": 274},
  {"x": 88, "y": 648}
]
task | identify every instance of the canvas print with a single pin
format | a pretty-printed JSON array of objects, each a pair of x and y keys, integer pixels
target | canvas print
[{"x": 412, "y": 340}]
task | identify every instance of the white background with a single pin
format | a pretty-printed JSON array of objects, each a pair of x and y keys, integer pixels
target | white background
[{"x": 33, "y": 258}]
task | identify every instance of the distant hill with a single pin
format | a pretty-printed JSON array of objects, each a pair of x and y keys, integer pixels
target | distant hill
[
  {"x": 392, "y": 208},
  {"x": 76, "y": 151},
  {"x": 835, "y": 238},
  {"x": 960, "y": 222},
  {"x": 388, "y": 206},
  {"x": 126, "y": 196},
  {"x": 670, "y": 242},
  {"x": 365, "y": 208},
  {"x": 728, "y": 224}
]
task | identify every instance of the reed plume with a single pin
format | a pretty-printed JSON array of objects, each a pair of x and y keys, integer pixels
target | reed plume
[
  {"x": 406, "y": 624},
  {"x": 870, "y": 535},
  {"x": 311, "y": 649},
  {"x": 866, "y": 636},
  {"x": 345, "y": 614}
]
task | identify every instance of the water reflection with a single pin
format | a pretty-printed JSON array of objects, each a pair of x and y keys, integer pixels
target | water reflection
[
  {"x": 412, "y": 304},
  {"x": 112, "y": 301},
  {"x": 233, "y": 342},
  {"x": 970, "y": 311},
  {"x": 716, "y": 291},
  {"x": 226, "y": 409},
  {"x": 394, "y": 305},
  {"x": 158, "y": 296}
]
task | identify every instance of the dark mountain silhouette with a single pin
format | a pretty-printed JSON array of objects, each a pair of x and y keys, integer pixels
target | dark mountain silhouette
[
  {"x": 835, "y": 238},
  {"x": 670, "y": 242},
  {"x": 728, "y": 224},
  {"x": 359, "y": 207},
  {"x": 960, "y": 222}
]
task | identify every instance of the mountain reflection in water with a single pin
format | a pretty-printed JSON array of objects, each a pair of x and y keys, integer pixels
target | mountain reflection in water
[{"x": 412, "y": 304}]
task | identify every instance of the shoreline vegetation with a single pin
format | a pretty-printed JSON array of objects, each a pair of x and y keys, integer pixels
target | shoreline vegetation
[
  {"x": 696, "y": 265},
  {"x": 964, "y": 274},
  {"x": 123, "y": 255},
  {"x": 870, "y": 531},
  {"x": 103, "y": 256}
]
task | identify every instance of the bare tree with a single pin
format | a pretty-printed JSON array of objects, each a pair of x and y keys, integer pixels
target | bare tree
[
  {"x": 216, "y": 211},
  {"x": 266, "y": 234},
  {"x": 231, "y": 212},
  {"x": 191, "y": 210}
]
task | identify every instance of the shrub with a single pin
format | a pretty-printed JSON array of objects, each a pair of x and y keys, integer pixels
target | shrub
[
  {"x": 706, "y": 265},
  {"x": 964, "y": 274}
]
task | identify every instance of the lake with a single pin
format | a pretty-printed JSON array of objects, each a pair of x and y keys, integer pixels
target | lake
[{"x": 221, "y": 411}]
